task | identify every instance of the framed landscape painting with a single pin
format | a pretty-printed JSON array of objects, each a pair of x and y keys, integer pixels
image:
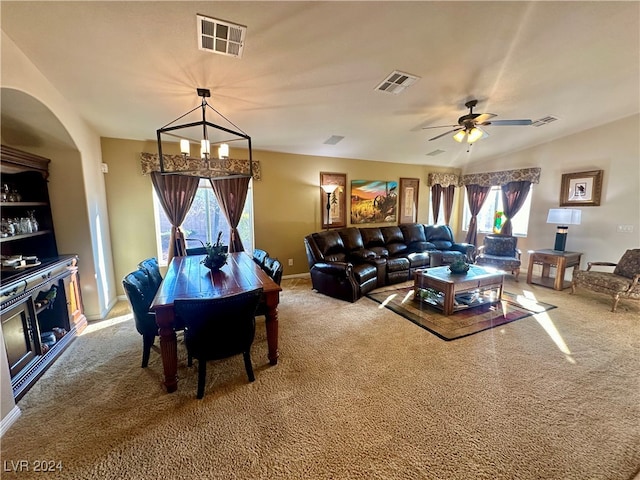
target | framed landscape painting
[
  {"x": 373, "y": 201},
  {"x": 408, "y": 208},
  {"x": 581, "y": 189}
]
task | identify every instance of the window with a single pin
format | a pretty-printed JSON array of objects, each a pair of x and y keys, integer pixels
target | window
[
  {"x": 203, "y": 222},
  {"x": 493, "y": 204},
  {"x": 440, "y": 214}
]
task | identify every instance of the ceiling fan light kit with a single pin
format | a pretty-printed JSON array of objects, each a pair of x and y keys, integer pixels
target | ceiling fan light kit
[{"x": 469, "y": 125}]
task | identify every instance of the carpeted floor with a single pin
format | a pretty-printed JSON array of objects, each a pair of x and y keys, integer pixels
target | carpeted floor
[
  {"x": 469, "y": 321},
  {"x": 358, "y": 393}
]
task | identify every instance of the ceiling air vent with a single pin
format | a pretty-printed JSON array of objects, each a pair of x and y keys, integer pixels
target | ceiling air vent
[
  {"x": 218, "y": 36},
  {"x": 544, "y": 121},
  {"x": 333, "y": 139},
  {"x": 397, "y": 82},
  {"x": 435, "y": 152}
]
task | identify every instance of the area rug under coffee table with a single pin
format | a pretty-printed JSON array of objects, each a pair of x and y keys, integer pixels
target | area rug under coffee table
[{"x": 463, "y": 323}]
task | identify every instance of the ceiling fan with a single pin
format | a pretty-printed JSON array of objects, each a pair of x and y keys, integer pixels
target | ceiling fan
[{"x": 469, "y": 125}]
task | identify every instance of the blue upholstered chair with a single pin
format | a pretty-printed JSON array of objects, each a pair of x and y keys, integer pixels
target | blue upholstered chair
[{"x": 500, "y": 251}]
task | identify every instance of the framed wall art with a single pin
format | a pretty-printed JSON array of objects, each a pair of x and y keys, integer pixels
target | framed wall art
[
  {"x": 333, "y": 199},
  {"x": 408, "y": 200},
  {"x": 581, "y": 189},
  {"x": 373, "y": 201}
]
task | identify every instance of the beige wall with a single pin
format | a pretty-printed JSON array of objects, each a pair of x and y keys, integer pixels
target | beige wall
[
  {"x": 614, "y": 148},
  {"x": 287, "y": 203}
]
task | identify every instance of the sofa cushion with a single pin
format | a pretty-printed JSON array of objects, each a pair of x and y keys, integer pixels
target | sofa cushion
[
  {"x": 418, "y": 259},
  {"x": 629, "y": 264},
  {"x": 441, "y": 244},
  {"x": 329, "y": 243},
  {"x": 381, "y": 252},
  {"x": 351, "y": 238},
  {"x": 365, "y": 272},
  {"x": 412, "y": 233},
  {"x": 372, "y": 237},
  {"x": 397, "y": 264},
  {"x": 500, "y": 245}
]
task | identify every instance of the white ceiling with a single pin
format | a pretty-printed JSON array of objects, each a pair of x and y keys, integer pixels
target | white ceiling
[{"x": 310, "y": 69}]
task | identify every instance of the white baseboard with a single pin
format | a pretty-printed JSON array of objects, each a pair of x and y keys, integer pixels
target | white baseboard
[{"x": 9, "y": 420}]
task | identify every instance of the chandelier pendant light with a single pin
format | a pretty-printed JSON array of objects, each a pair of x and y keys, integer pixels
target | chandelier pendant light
[{"x": 202, "y": 133}]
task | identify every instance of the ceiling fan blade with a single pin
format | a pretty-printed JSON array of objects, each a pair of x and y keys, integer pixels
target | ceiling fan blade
[
  {"x": 446, "y": 133},
  {"x": 441, "y": 126},
  {"x": 510, "y": 122},
  {"x": 483, "y": 117}
]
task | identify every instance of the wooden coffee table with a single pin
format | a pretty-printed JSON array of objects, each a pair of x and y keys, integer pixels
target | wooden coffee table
[{"x": 451, "y": 292}]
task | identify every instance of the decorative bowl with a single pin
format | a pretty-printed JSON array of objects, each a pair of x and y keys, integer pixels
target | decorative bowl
[
  {"x": 459, "y": 268},
  {"x": 216, "y": 262}
]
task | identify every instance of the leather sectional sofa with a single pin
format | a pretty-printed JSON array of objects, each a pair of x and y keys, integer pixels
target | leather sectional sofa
[{"x": 348, "y": 263}]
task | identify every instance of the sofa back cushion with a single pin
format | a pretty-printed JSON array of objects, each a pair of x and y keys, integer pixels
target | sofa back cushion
[
  {"x": 440, "y": 235},
  {"x": 412, "y": 232},
  {"x": 372, "y": 237},
  {"x": 351, "y": 239},
  {"x": 330, "y": 245},
  {"x": 629, "y": 264},
  {"x": 393, "y": 239}
]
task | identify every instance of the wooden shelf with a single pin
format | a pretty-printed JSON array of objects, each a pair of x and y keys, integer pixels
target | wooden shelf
[{"x": 24, "y": 235}]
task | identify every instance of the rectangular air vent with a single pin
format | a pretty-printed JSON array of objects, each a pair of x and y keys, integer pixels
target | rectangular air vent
[
  {"x": 544, "y": 121},
  {"x": 435, "y": 152},
  {"x": 333, "y": 139},
  {"x": 397, "y": 82},
  {"x": 218, "y": 36}
]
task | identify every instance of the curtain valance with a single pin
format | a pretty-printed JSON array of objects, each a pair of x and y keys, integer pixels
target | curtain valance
[
  {"x": 218, "y": 168},
  {"x": 491, "y": 179},
  {"x": 443, "y": 179}
]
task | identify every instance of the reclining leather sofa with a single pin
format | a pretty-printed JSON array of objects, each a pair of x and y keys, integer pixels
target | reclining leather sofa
[{"x": 348, "y": 263}]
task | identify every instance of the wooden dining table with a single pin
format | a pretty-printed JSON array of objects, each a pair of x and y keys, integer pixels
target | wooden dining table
[{"x": 188, "y": 278}]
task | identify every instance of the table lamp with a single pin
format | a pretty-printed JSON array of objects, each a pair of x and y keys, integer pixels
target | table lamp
[
  {"x": 563, "y": 217},
  {"x": 329, "y": 189}
]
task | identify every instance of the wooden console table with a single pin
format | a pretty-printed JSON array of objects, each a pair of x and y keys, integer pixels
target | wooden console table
[{"x": 549, "y": 258}]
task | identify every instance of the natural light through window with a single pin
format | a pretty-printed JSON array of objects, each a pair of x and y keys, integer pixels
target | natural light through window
[
  {"x": 493, "y": 204},
  {"x": 203, "y": 222}
]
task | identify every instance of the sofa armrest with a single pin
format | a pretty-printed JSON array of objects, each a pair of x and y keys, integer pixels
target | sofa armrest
[
  {"x": 342, "y": 269},
  {"x": 467, "y": 248},
  {"x": 362, "y": 256}
]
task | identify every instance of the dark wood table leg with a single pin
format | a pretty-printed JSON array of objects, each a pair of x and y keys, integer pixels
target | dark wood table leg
[
  {"x": 168, "y": 348},
  {"x": 272, "y": 300}
]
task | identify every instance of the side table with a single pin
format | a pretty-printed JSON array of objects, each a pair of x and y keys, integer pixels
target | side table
[{"x": 549, "y": 258}]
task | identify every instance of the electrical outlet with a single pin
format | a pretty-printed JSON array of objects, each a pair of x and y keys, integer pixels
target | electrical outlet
[
  {"x": 291, "y": 262},
  {"x": 625, "y": 229}
]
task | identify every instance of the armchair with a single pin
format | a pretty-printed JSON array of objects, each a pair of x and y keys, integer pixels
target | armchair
[
  {"x": 500, "y": 251},
  {"x": 622, "y": 283}
]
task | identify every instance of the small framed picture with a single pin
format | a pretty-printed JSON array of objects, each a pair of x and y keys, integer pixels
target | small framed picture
[
  {"x": 408, "y": 211},
  {"x": 581, "y": 189}
]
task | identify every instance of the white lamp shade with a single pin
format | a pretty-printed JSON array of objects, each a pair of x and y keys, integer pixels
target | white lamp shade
[
  {"x": 329, "y": 188},
  {"x": 205, "y": 148},
  {"x": 185, "y": 148},
  {"x": 564, "y": 216},
  {"x": 474, "y": 134},
  {"x": 223, "y": 151},
  {"x": 459, "y": 137}
]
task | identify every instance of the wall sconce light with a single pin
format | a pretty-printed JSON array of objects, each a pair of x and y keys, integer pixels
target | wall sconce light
[
  {"x": 563, "y": 217},
  {"x": 329, "y": 189}
]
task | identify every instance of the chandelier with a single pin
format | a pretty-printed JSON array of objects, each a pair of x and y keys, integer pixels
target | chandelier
[{"x": 203, "y": 135}]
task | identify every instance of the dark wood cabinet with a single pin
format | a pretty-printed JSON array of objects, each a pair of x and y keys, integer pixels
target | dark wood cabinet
[
  {"x": 25, "y": 176},
  {"x": 40, "y": 303}
]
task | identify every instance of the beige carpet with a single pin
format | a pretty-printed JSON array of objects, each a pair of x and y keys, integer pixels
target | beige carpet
[{"x": 359, "y": 393}]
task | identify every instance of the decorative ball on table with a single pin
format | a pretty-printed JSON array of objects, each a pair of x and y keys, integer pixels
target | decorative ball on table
[
  {"x": 216, "y": 254},
  {"x": 459, "y": 266}
]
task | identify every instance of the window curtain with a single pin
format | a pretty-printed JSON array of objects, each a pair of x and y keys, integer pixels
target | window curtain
[
  {"x": 476, "y": 195},
  {"x": 436, "y": 194},
  {"x": 514, "y": 195},
  {"x": 232, "y": 194},
  {"x": 447, "y": 194},
  {"x": 176, "y": 194}
]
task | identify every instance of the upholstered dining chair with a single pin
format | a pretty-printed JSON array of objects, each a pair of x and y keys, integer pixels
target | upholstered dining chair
[
  {"x": 259, "y": 256},
  {"x": 500, "y": 251},
  {"x": 140, "y": 290},
  {"x": 150, "y": 265},
  {"x": 273, "y": 267},
  {"x": 623, "y": 282},
  {"x": 217, "y": 328}
]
